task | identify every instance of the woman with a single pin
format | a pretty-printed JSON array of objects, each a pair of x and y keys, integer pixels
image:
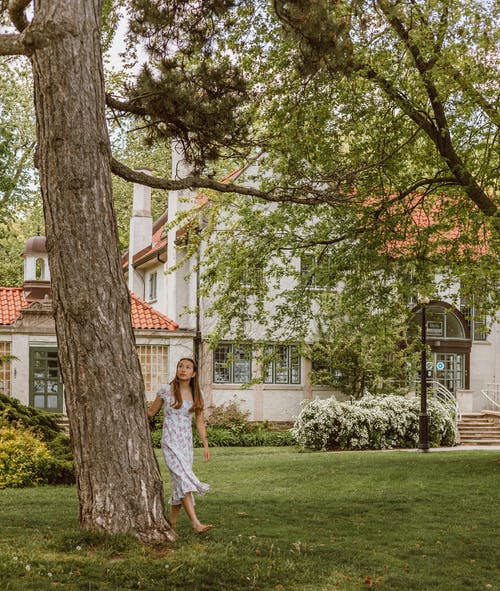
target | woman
[{"x": 181, "y": 399}]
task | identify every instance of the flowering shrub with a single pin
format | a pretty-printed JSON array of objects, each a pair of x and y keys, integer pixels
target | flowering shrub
[
  {"x": 227, "y": 415},
  {"x": 373, "y": 422},
  {"x": 24, "y": 458}
]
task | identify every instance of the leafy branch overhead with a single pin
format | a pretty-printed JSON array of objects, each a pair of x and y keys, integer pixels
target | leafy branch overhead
[{"x": 377, "y": 99}]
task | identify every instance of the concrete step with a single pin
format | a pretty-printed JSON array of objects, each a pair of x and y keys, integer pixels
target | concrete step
[
  {"x": 485, "y": 442},
  {"x": 487, "y": 426},
  {"x": 476, "y": 426},
  {"x": 63, "y": 423},
  {"x": 476, "y": 429},
  {"x": 482, "y": 436}
]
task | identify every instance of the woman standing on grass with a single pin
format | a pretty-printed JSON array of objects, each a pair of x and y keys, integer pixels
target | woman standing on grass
[{"x": 181, "y": 399}]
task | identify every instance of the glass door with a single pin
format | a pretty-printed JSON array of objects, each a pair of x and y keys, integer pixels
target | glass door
[
  {"x": 449, "y": 370},
  {"x": 46, "y": 389}
]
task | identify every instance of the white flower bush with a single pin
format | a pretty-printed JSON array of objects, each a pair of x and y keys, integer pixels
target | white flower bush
[{"x": 373, "y": 422}]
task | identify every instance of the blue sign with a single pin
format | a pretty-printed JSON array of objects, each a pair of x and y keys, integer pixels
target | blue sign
[{"x": 440, "y": 365}]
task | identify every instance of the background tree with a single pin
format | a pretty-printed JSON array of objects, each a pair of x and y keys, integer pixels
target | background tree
[
  {"x": 20, "y": 216},
  {"x": 379, "y": 123}
]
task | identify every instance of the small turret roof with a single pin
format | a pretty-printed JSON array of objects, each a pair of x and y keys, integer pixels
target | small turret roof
[{"x": 35, "y": 245}]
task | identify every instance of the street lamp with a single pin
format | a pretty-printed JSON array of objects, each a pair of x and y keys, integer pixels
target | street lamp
[{"x": 423, "y": 430}]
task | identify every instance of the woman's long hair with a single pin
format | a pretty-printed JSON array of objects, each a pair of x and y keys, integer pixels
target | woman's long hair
[{"x": 193, "y": 384}]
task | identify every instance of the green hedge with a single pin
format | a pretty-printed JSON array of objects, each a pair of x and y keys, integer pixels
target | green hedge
[
  {"x": 228, "y": 426},
  {"x": 44, "y": 424},
  {"x": 51, "y": 457},
  {"x": 227, "y": 437}
]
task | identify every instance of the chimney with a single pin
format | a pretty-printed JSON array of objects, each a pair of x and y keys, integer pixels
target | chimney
[
  {"x": 141, "y": 229},
  {"x": 141, "y": 222}
]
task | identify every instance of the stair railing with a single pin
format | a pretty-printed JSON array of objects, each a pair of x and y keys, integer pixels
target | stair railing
[
  {"x": 447, "y": 396},
  {"x": 492, "y": 395}
]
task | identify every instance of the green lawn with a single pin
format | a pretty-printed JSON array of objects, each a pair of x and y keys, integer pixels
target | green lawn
[{"x": 284, "y": 520}]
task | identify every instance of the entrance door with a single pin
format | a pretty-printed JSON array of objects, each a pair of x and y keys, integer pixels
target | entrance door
[
  {"x": 448, "y": 369},
  {"x": 46, "y": 389}
]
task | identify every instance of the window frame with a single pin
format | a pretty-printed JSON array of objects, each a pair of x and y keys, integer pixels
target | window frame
[
  {"x": 235, "y": 354},
  {"x": 152, "y": 286},
  {"x": 153, "y": 359},
  {"x": 478, "y": 323},
  {"x": 270, "y": 369},
  {"x": 310, "y": 265}
]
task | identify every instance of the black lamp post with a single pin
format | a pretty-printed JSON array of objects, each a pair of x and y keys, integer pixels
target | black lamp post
[{"x": 423, "y": 432}]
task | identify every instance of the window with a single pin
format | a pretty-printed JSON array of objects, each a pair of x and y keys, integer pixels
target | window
[
  {"x": 282, "y": 365},
  {"x": 154, "y": 366},
  {"x": 232, "y": 364},
  {"x": 323, "y": 373},
  {"x": 39, "y": 269},
  {"x": 152, "y": 282},
  {"x": 251, "y": 275},
  {"x": 5, "y": 368},
  {"x": 477, "y": 322},
  {"x": 441, "y": 323},
  {"x": 45, "y": 384},
  {"x": 316, "y": 271}
]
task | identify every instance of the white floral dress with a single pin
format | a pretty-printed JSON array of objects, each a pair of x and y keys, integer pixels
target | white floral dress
[{"x": 177, "y": 447}]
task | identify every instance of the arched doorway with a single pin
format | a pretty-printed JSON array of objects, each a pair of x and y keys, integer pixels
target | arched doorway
[{"x": 448, "y": 336}]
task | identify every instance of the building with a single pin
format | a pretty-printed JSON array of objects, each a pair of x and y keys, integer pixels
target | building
[
  {"x": 169, "y": 323},
  {"x": 27, "y": 337}
]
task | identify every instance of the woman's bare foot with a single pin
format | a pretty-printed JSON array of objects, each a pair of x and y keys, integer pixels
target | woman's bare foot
[{"x": 200, "y": 528}]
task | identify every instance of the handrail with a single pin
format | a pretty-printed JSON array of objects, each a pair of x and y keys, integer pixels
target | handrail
[
  {"x": 443, "y": 392},
  {"x": 485, "y": 394}
]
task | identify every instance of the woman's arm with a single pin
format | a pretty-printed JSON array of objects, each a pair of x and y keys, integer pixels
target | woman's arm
[
  {"x": 155, "y": 407},
  {"x": 202, "y": 430}
]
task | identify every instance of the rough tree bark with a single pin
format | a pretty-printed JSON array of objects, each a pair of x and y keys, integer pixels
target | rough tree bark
[{"x": 119, "y": 484}]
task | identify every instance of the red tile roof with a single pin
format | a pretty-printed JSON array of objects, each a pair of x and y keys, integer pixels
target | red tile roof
[
  {"x": 432, "y": 222},
  {"x": 143, "y": 315},
  {"x": 11, "y": 303},
  {"x": 158, "y": 240}
]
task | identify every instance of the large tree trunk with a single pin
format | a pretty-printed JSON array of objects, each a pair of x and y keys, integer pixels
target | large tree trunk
[{"x": 119, "y": 484}]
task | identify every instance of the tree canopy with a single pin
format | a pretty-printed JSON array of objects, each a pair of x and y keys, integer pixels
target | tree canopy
[{"x": 377, "y": 124}]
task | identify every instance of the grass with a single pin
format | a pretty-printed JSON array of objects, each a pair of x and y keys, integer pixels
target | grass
[{"x": 284, "y": 520}]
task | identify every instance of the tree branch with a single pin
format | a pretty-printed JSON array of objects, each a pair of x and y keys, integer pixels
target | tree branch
[
  {"x": 16, "y": 13},
  {"x": 197, "y": 182},
  {"x": 11, "y": 44},
  {"x": 400, "y": 99},
  {"x": 467, "y": 88},
  {"x": 125, "y": 106},
  {"x": 441, "y": 133}
]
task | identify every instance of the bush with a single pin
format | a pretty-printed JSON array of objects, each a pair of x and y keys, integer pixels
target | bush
[
  {"x": 24, "y": 458},
  {"x": 228, "y": 415},
  {"x": 228, "y": 426},
  {"x": 254, "y": 436},
  {"x": 44, "y": 424},
  {"x": 32, "y": 424},
  {"x": 371, "y": 423}
]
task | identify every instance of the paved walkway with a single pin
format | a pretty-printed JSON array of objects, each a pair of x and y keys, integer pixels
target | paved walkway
[{"x": 455, "y": 448}]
